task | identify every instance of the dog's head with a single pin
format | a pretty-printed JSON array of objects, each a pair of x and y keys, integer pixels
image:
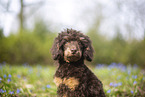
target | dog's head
[{"x": 71, "y": 46}]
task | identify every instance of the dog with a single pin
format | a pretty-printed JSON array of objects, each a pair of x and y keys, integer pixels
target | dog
[{"x": 73, "y": 78}]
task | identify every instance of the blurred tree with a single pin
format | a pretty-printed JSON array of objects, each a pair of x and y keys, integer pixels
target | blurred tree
[
  {"x": 1, "y": 33},
  {"x": 6, "y": 6},
  {"x": 41, "y": 29},
  {"x": 21, "y": 14}
]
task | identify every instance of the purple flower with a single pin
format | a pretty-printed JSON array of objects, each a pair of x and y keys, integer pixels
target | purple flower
[
  {"x": 134, "y": 76},
  {"x": 48, "y": 86},
  {"x": 109, "y": 91},
  {"x": 9, "y": 76},
  {"x": 135, "y": 82},
  {"x": 2, "y": 91},
  {"x": 120, "y": 83},
  {"x": 0, "y": 78},
  {"x": 5, "y": 76},
  {"x": 115, "y": 85},
  {"x": 131, "y": 92},
  {"x": 18, "y": 76},
  {"x": 129, "y": 72},
  {"x": 111, "y": 84},
  {"x": 18, "y": 91},
  {"x": 11, "y": 92},
  {"x": 9, "y": 80}
]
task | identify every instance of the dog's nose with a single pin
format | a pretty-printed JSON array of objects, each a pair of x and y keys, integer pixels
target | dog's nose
[{"x": 73, "y": 51}]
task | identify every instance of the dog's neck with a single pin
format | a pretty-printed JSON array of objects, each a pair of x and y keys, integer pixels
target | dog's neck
[{"x": 81, "y": 61}]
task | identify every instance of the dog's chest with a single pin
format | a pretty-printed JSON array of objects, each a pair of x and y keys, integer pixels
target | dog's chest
[
  {"x": 68, "y": 70},
  {"x": 68, "y": 75}
]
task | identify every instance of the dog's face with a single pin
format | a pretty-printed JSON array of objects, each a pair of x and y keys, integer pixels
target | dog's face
[
  {"x": 72, "y": 46},
  {"x": 72, "y": 51}
]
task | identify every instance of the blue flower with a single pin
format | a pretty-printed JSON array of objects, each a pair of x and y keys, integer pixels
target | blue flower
[
  {"x": 115, "y": 85},
  {"x": 99, "y": 66},
  {"x": 131, "y": 92},
  {"x": 111, "y": 84},
  {"x": 129, "y": 72},
  {"x": 134, "y": 76},
  {"x": 1, "y": 91},
  {"x": 5, "y": 76},
  {"x": 120, "y": 83},
  {"x": 0, "y": 78},
  {"x": 9, "y": 76},
  {"x": 9, "y": 80},
  {"x": 48, "y": 86},
  {"x": 135, "y": 82},
  {"x": 18, "y": 91},
  {"x": 11, "y": 92},
  {"x": 18, "y": 76},
  {"x": 109, "y": 91}
]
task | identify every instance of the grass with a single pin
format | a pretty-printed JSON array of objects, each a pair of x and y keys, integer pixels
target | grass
[{"x": 24, "y": 80}]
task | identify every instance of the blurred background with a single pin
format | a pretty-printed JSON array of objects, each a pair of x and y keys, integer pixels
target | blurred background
[{"x": 116, "y": 28}]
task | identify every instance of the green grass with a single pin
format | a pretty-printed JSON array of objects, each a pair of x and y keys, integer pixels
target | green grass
[{"x": 24, "y": 80}]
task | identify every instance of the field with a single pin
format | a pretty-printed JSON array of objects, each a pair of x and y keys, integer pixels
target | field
[{"x": 30, "y": 81}]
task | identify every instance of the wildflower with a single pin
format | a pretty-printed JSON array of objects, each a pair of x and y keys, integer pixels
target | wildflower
[
  {"x": 5, "y": 76},
  {"x": 109, "y": 91},
  {"x": 0, "y": 78},
  {"x": 9, "y": 80},
  {"x": 129, "y": 72},
  {"x": 30, "y": 71},
  {"x": 48, "y": 86},
  {"x": 135, "y": 82},
  {"x": 99, "y": 66},
  {"x": 131, "y": 92},
  {"x": 135, "y": 66},
  {"x": 120, "y": 83},
  {"x": 134, "y": 76},
  {"x": 111, "y": 84},
  {"x": 18, "y": 76},
  {"x": 9, "y": 76},
  {"x": 11, "y": 92},
  {"x": 115, "y": 85},
  {"x": 18, "y": 91},
  {"x": 2, "y": 91}
]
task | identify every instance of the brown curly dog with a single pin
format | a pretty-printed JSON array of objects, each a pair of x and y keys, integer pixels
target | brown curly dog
[{"x": 73, "y": 78}]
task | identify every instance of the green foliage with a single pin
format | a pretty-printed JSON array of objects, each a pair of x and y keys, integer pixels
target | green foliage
[
  {"x": 1, "y": 33},
  {"x": 34, "y": 47},
  {"x": 117, "y": 49},
  {"x": 25, "y": 80},
  {"x": 26, "y": 48}
]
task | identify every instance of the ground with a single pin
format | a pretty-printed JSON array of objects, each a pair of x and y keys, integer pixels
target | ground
[{"x": 25, "y": 80}]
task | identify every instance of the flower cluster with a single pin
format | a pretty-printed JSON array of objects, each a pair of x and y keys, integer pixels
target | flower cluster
[{"x": 115, "y": 84}]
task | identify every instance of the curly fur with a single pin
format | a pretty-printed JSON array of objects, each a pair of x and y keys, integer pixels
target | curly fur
[{"x": 75, "y": 79}]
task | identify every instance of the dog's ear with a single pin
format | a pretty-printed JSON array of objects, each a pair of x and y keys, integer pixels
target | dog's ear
[
  {"x": 56, "y": 51},
  {"x": 88, "y": 49}
]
